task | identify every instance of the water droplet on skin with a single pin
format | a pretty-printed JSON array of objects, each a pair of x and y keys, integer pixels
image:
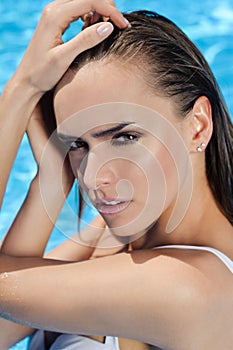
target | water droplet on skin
[{"x": 4, "y": 275}]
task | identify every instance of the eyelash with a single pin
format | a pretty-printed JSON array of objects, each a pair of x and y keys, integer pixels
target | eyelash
[
  {"x": 132, "y": 137},
  {"x": 75, "y": 147},
  {"x": 129, "y": 138}
]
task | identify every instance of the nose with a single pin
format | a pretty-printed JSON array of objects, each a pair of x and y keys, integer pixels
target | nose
[{"x": 97, "y": 173}]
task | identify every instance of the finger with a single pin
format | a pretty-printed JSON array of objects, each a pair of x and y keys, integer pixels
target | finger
[
  {"x": 58, "y": 15},
  {"x": 88, "y": 38},
  {"x": 92, "y": 18},
  {"x": 96, "y": 17},
  {"x": 75, "y": 9},
  {"x": 87, "y": 21},
  {"x": 86, "y": 16}
]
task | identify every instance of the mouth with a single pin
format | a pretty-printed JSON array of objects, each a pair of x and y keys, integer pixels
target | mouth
[{"x": 111, "y": 207}]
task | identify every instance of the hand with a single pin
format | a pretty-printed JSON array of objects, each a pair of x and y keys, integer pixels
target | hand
[{"x": 47, "y": 57}]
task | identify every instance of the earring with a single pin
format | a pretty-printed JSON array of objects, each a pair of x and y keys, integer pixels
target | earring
[{"x": 201, "y": 147}]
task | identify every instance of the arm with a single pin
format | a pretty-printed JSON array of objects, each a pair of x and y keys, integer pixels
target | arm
[
  {"x": 112, "y": 295},
  {"x": 31, "y": 229}
]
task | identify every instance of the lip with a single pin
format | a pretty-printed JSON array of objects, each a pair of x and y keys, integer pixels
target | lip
[{"x": 111, "y": 206}]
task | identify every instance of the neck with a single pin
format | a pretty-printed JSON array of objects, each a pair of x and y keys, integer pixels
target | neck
[{"x": 202, "y": 225}]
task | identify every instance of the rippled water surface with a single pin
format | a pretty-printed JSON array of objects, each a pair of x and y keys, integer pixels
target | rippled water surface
[{"x": 208, "y": 23}]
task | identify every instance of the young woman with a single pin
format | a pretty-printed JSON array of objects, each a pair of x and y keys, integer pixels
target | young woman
[{"x": 150, "y": 140}]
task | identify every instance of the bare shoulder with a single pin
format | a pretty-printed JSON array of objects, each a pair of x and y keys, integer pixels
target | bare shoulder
[
  {"x": 205, "y": 276},
  {"x": 197, "y": 262},
  {"x": 200, "y": 298}
]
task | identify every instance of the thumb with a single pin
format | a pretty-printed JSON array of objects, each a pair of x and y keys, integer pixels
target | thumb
[{"x": 88, "y": 38}]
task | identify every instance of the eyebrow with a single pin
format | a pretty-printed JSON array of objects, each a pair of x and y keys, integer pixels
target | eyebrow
[
  {"x": 111, "y": 131},
  {"x": 104, "y": 133}
]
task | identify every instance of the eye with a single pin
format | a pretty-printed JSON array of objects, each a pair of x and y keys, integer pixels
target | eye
[
  {"x": 125, "y": 138},
  {"x": 78, "y": 145}
]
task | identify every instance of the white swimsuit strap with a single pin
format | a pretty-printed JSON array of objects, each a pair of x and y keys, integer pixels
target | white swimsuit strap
[
  {"x": 227, "y": 261},
  {"x": 73, "y": 341}
]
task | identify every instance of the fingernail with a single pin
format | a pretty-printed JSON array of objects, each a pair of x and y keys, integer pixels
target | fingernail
[
  {"x": 105, "y": 29},
  {"x": 126, "y": 22}
]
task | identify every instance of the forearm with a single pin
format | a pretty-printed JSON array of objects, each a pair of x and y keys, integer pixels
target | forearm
[
  {"x": 107, "y": 289},
  {"x": 34, "y": 223},
  {"x": 10, "y": 332},
  {"x": 17, "y": 102}
]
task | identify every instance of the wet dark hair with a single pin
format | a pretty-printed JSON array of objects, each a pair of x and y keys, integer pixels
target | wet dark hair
[{"x": 172, "y": 65}]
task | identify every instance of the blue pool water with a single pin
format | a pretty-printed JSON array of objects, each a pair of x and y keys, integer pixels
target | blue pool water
[{"x": 208, "y": 23}]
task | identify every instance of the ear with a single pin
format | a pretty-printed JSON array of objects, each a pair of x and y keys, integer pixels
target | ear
[{"x": 201, "y": 124}]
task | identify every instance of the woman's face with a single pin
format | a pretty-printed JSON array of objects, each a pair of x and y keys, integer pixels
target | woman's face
[{"x": 123, "y": 143}]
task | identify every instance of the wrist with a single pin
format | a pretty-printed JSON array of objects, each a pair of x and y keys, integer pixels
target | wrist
[{"x": 21, "y": 90}]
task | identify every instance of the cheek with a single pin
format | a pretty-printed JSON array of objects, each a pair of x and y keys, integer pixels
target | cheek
[
  {"x": 144, "y": 177},
  {"x": 169, "y": 170},
  {"x": 167, "y": 181},
  {"x": 155, "y": 176},
  {"x": 132, "y": 179}
]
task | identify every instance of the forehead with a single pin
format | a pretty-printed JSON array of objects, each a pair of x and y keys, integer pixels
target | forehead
[
  {"x": 97, "y": 83},
  {"x": 107, "y": 92}
]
